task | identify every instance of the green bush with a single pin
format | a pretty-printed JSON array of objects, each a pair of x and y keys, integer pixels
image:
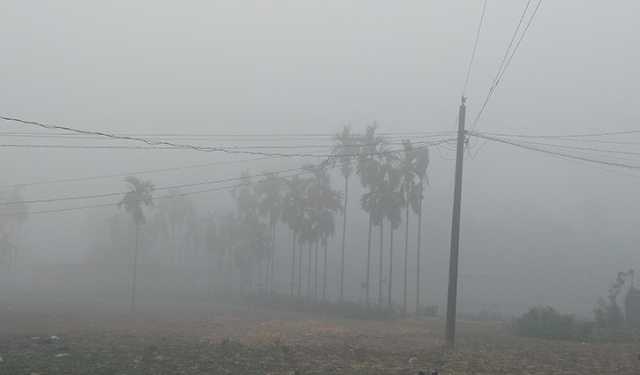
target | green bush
[
  {"x": 546, "y": 322},
  {"x": 350, "y": 310},
  {"x": 428, "y": 311}
]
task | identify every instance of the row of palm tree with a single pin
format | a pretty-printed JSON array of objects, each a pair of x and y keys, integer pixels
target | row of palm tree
[
  {"x": 12, "y": 219},
  {"x": 307, "y": 204},
  {"x": 392, "y": 181}
]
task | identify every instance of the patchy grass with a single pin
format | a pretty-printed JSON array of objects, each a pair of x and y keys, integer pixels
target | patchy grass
[{"x": 252, "y": 342}]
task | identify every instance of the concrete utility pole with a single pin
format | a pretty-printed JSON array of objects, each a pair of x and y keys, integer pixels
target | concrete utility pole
[{"x": 452, "y": 295}]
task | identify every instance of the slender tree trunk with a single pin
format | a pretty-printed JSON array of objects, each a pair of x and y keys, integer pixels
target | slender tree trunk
[
  {"x": 309, "y": 274},
  {"x": 380, "y": 267},
  {"x": 390, "y": 282},
  {"x": 135, "y": 270},
  {"x": 209, "y": 276},
  {"x": 344, "y": 235},
  {"x": 315, "y": 271},
  {"x": 293, "y": 261},
  {"x": 406, "y": 258},
  {"x": 300, "y": 256},
  {"x": 324, "y": 273},
  {"x": 266, "y": 273},
  {"x": 272, "y": 271},
  {"x": 368, "y": 274},
  {"x": 419, "y": 242}
]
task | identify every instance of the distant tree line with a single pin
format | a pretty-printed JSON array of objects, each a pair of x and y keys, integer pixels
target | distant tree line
[{"x": 242, "y": 244}]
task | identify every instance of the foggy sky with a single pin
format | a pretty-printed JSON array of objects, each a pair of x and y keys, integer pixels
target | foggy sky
[{"x": 535, "y": 228}]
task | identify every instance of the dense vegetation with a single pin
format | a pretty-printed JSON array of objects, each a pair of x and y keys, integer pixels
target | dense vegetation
[
  {"x": 241, "y": 245},
  {"x": 610, "y": 321}
]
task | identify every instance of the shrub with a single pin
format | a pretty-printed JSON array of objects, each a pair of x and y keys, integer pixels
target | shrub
[
  {"x": 546, "y": 322},
  {"x": 428, "y": 311}
]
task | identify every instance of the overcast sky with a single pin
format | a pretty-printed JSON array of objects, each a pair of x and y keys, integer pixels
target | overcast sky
[{"x": 313, "y": 66}]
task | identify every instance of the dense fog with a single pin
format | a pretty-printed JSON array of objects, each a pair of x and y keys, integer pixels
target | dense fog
[{"x": 536, "y": 229}]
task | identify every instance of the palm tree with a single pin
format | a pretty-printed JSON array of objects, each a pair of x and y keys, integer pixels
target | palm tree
[
  {"x": 138, "y": 196},
  {"x": 227, "y": 241},
  {"x": 13, "y": 217},
  {"x": 324, "y": 203},
  {"x": 345, "y": 146},
  {"x": 212, "y": 246},
  {"x": 308, "y": 236},
  {"x": 421, "y": 164},
  {"x": 390, "y": 202},
  {"x": 408, "y": 189},
  {"x": 292, "y": 214},
  {"x": 250, "y": 250},
  {"x": 270, "y": 204},
  {"x": 371, "y": 203},
  {"x": 176, "y": 214},
  {"x": 368, "y": 168},
  {"x": 327, "y": 229}
]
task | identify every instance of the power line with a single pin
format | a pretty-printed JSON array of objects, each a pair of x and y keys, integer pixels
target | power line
[
  {"x": 171, "y": 195},
  {"x": 139, "y": 172},
  {"x": 560, "y": 154},
  {"x": 89, "y": 147},
  {"x": 508, "y": 56},
  {"x": 152, "y": 142},
  {"x": 475, "y": 48},
  {"x": 170, "y": 187},
  {"x": 159, "y": 170},
  {"x": 250, "y": 147},
  {"x": 578, "y": 135},
  {"x": 535, "y": 11},
  {"x": 238, "y": 137},
  {"x": 579, "y": 148}
]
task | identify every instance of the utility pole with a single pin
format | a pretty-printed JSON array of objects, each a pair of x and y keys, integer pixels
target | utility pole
[{"x": 452, "y": 295}]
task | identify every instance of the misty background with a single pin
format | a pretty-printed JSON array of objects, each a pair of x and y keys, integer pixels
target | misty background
[{"x": 535, "y": 230}]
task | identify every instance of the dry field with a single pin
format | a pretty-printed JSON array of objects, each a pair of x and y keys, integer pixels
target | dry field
[{"x": 247, "y": 341}]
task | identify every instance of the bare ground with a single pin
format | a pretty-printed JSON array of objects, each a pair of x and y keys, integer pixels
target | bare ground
[{"x": 242, "y": 340}]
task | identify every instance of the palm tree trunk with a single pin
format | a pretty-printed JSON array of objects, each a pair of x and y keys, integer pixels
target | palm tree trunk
[
  {"x": 390, "y": 282},
  {"x": 293, "y": 262},
  {"x": 380, "y": 259},
  {"x": 315, "y": 270},
  {"x": 135, "y": 269},
  {"x": 300, "y": 255},
  {"x": 344, "y": 235},
  {"x": 324, "y": 271},
  {"x": 406, "y": 258},
  {"x": 266, "y": 273},
  {"x": 419, "y": 242},
  {"x": 309, "y": 274},
  {"x": 272, "y": 271},
  {"x": 368, "y": 283}
]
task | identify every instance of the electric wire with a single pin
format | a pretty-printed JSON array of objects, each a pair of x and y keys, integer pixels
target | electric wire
[
  {"x": 556, "y": 153},
  {"x": 475, "y": 48},
  {"x": 167, "y": 196},
  {"x": 171, "y": 187},
  {"x": 508, "y": 57},
  {"x": 152, "y": 142}
]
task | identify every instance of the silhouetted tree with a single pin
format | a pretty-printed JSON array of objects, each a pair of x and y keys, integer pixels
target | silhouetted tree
[
  {"x": 176, "y": 215},
  {"x": 138, "y": 196},
  {"x": 254, "y": 244},
  {"x": 270, "y": 203},
  {"x": 345, "y": 146},
  {"x": 421, "y": 165},
  {"x": 323, "y": 202},
  {"x": 368, "y": 168},
  {"x": 292, "y": 215},
  {"x": 392, "y": 202},
  {"x": 408, "y": 187},
  {"x": 12, "y": 217}
]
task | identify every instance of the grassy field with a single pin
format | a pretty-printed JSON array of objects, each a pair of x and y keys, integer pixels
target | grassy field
[{"x": 247, "y": 341}]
